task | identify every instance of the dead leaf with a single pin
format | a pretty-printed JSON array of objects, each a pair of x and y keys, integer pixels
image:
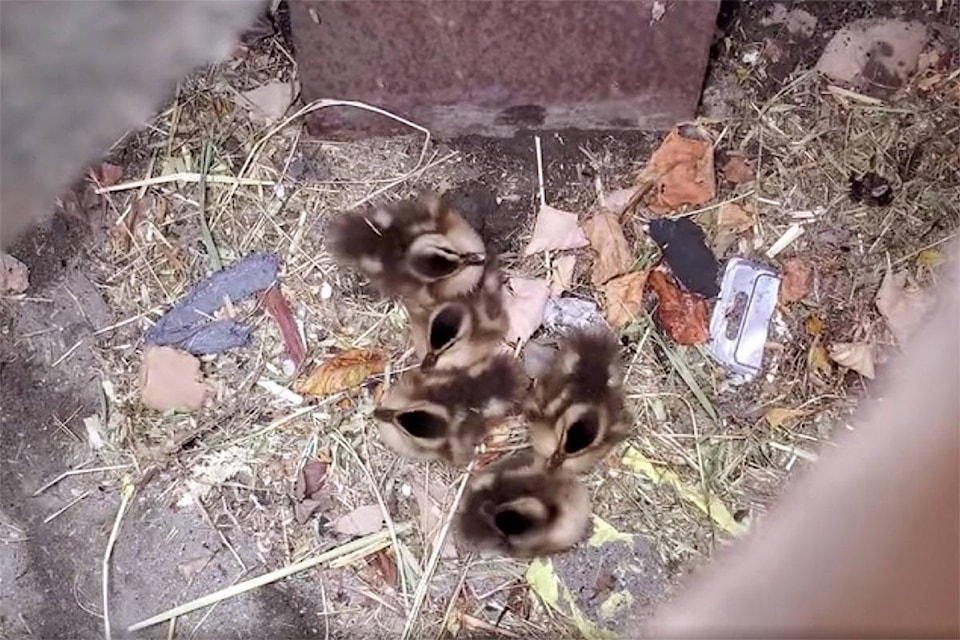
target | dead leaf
[
  {"x": 682, "y": 172},
  {"x": 681, "y": 314},
  {"x": 192, "y": 567},
  {"x": 311, "y": 478},
  {"x": 624, "y": 298},
  {"x": 14, "y": 275},
  {"x": 930, "y": 258},
  {"x": 818, "y": 360},
  {"x": 525, "y": 300},
  {"x": 382, "y": 561},
  {"x": 903, "y": 305},
  {"x": 737, "y": 169},
  {"x": 616, "y": 201},
  {"x": 813, "y": 325},
  {"x": 555, "y": 230},
  {"x": 343, "y": 371},
  {"x": 561, "y": 277},
  {"x": 361, "y": 521},
  {"x": 776, "y": 417},
  {"x": 614, "y": 256},
  {"x": 276, "y": 305},
  {"x": 854, "y": 355},
  {"x": 795, "y": 281},
  {"x": 269, "y": 102},
  {"x": 171, "y": 379},
  {"x": 106, "y": 174},
  {"x": 732, "y": 217}
]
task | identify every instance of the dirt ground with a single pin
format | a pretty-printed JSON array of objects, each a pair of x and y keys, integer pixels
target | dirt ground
[{"x": 70, "y": 346}]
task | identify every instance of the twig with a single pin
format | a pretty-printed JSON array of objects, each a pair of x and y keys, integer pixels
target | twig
[
  {"x": 67, "y": 354},
  {"x": 67, "y": 506},
  {"x": 212, "y": 252},
  {"x": 438, "y": 541},
  {"x": 126, "y": 493},
  {"x": 186, "y": 176},
  {"x": 316, "y": 105},
  {"x": 76, "y": 472},
  {"x": 254, "y": 583},
  {"x": 543, "y": 198}
]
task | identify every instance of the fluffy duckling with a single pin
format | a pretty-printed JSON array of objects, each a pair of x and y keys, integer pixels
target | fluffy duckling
[
  {"x": 418, "y": 249},
  {"x": 462, "y": 332},
  {"x": 446, "y": 414},
  {"x": 517, "y": 508},
  {"x": 576, "y": 411}
]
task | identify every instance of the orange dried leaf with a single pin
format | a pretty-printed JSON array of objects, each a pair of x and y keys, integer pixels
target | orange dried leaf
[
  {"x": 681, "y": 314},
  {"x": 681, "y": 170},
  {"x": 343, "y": 371},
  {"x": 624, "y": 298},
  {"x": 737, "y": 169},
  {"x": 813, "y": 325},
  {"x": 776, "y": 417},
  {"x": 795, "y": 281},
  {"x": 818, "y": 360},
  {"x": 614, "y": 256}
]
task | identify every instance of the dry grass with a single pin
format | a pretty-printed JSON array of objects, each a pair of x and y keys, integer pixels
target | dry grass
[{"x": 249, "y": 443}]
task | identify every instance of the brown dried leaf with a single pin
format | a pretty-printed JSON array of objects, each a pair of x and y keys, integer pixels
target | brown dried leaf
[
  {"x": 276, "y": 305},
  {"x": 624, "y": 298},
  {"x": 795, "y": 282},
  {"x": 682, "y": 172},
  {"x": 614, "y": 256},
  {"x": 681, "y": 314},
  {"x": 737, "y": 169},
  {"x": 310, "y": 479},
  {"x": 525, "y": 300},
  {"x": 854, "y": 355},
  {"x": 170, "y": 379},
  {"x": 106, "y": 174},
  {"x": 776, "y": 417},
  {"x": 732, "y": 217},
  {"x": 382, "y": 561},
  {"x": 562, "y": 275},
  {"x": 343, "y": 371},
  {"x": 361, "y": 521},
  {"x": 813, "y": 325},
  {"x": 555, "y": 230},
  {"x": 818, "y": 360},
  {"x": 903, "y": 305},
  {"x": 14, "y": 275}
]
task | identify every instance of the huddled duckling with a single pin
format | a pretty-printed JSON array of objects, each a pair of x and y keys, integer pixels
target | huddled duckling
[
  {"x": 576, "y": 411},
  {"x": 419, "y": 250},
  {"x": 445, "y": 414},
  {"x": 465, "y": 330},
  {"x": 518, "y": 508}
]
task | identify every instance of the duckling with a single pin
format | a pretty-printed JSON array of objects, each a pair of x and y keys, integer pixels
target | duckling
[
  {"x": 464, "y": 331},
  {"x": 420, "y": 249},
  {"x": 517, "y": 508},
  {"x": 576, "y": 411},
  {"x": 445, "y": 414}
]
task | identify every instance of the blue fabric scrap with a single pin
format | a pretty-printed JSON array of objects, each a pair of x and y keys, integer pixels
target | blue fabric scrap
[{"x": 188, "y": 325}]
